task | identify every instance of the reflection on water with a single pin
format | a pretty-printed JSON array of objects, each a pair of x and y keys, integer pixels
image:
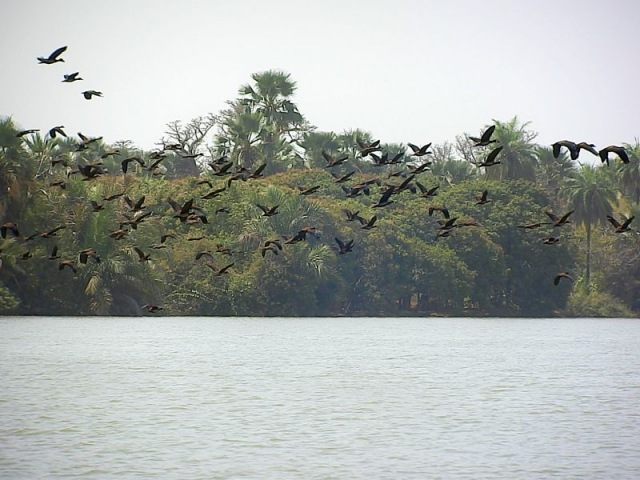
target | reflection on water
[{"x": 319, "y": 398}]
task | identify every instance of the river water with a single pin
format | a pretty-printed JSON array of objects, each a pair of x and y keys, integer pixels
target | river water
[{"x": 319, "y": 398}]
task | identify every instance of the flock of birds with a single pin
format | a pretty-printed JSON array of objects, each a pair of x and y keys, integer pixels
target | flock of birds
[{"x": 189, "y": 213}]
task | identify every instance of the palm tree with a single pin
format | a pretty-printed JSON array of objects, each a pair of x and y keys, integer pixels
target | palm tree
[
  {"x": 453, "y": 171},
  {"x": 313, "y": 143},
  {"x": 270, "y": 96},
  {"x": 630, "y": 174},
  {"x": 17, "y": 170},
  {"x": 238, "y": 134},
  {"x": 518, "y": 157},
  {"x": 552, "y": 171},
  {"x": 590, "y": 195}
]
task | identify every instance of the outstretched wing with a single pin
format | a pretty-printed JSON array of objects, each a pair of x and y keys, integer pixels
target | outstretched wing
[{"x": 56, "y": 53}]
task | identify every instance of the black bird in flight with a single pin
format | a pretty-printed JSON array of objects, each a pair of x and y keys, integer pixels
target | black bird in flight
[
  {"x": 221, "y": 271},
  {"x": 72, "y": 77},
  {"x": 439, "y": 208},
  {"x": 559, "y": 221},
  {"x": 57, "y": 131},
  {"x": 368, "y": 148},
  {"x": 620, "y": 227},
  {"x": 54, "y": 253},
  {"x": 142, "y": 257},
  {"x": 368, "y": 225},
  {"x": 69, "y": 264},
  {"x": 11, "y": 227},
  {"x": 589, "y": 147},
  {"x": 420, "y": 151},
  {"x": 574, "y": 151},
  {"x": 620, "y": 151},
  {"x": 27, "y": 132},
  {"x": 482, "y": 198},
  {"x": 88, "y": 94},
  {"x": 491, "y": 158},
  {"x": 560, "y": 276},
  {"x": 485, "y": 138},
  {"x": 53, "y": 58},
  {"x": 268, "y": 211},
  {"x": 427, "y": 192},
  {"x": 344, "y": 247},
  {"x": 333, "y": 161},
  {"x": 384, "y": 200}
]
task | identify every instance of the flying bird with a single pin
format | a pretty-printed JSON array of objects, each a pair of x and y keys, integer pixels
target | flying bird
[
  {"x": 333, "y": 161},
  {"x": 481, "y": 199},
  {"x": 574, "y": 151},
  {"x": 344, "y": 247},
  {"x": 351, "y": 216},
  {"x": 368, "y": 225},
  {"x": 268, "y": 211},
  {"x": 11, "y": 227},
  {"x": 27, "y": 132},
  {"x": 88, "y": 94},
  {"x": 560, "y": 276},
  {"x": 69, "y": 264},
  {"x": 485, "y": 138},
  {"x": 620, "y": 227},
  {"x": 427, "y": 192},
  {"x": 491, "y": 158},
  {"x": 550, "y": 240},
  {"x": 384, "y": 200},
  {"x": 368, "y": 148},
  {"x": 72, "y": 77},
  {"x": 57, "y": 131},
  {"x": 420, "y": 151},
  {"x": 88, "y": 252},
  {"x": 142, "y": 257},
  {"x": 559, "y": 221},
  {"x": 589, "y": 147},
  {"x": 219, "y": 272},
  {"x": 308, "y": 190},
  {"x": 620, "y": 151},
  {"x": 54, "y": 253},
  {"x": 125, "y": 163},
  {"x": 53, "y": 58},
  {"x": 439, "y": 208}
]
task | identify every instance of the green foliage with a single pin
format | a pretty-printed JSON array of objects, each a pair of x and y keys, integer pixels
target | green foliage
[
  {"x": 8, "y": 301},
  {"x": 485, "y": 266},
  {"x": 595, "y": 304}
]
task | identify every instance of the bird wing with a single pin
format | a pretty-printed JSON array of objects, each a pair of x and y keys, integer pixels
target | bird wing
[
  {"x": 224, "y": 269},
  {"x": 565, "y": 216},
  {"x": 552, "y": 216},
  {"x": 413, "y": 147},
  {"x": 613, "y": 221},
  {"x": 486, "y": 136},
  {"x": 492, "y": 156},
  {"x": 139, "y": 252},
  {"x": 57, "y": 52},
  {"x": 626, "y": 223}
]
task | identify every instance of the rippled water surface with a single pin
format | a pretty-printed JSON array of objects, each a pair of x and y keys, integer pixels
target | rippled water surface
[{"x": 340, "y": 398}]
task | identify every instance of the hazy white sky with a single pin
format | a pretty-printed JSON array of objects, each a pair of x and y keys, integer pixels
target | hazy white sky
[{"x": 406, "y": 70}]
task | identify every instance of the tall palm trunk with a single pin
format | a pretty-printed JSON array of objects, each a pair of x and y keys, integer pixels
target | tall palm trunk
[{"x": 588, "y": 262}]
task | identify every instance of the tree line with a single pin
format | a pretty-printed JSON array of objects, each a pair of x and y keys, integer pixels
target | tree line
[{"x": 402, "y": 266}]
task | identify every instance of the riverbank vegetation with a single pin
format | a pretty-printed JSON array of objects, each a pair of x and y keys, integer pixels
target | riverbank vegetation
[{"x": 121, "y": 256}]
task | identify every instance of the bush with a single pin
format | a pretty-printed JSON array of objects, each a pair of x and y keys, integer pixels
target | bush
[{"x": 595, "y": 304}]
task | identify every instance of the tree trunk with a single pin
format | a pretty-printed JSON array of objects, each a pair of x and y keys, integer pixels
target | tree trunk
[{"x": 588, "y": 262}]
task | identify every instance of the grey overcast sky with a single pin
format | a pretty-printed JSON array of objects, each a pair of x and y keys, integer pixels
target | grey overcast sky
[{"x": 406, "y": 70}]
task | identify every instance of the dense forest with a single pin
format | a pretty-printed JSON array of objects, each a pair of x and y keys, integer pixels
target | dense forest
[{"x": 253, "y": 211}]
